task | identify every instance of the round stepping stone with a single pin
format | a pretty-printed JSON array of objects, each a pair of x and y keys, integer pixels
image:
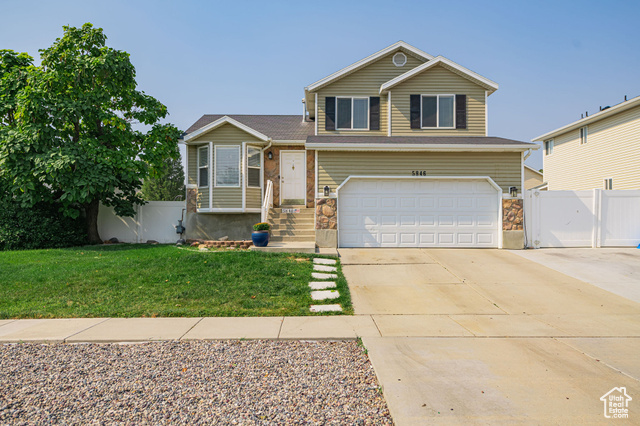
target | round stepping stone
[
  {"x": 325, "y": 294},
  {"x": 321, "y": 261},
  {"x": 324, "y": 268},
  {"x": 321, "y": 285},
  {"x": 325, "y": 308},
  {"x": 321, "y": 276}
]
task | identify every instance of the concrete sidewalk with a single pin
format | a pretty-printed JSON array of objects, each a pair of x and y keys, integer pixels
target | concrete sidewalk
[{"x": 104, "y": 330}]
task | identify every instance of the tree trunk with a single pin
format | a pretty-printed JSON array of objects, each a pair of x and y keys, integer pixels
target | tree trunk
[{"x": 91, "y": 211}]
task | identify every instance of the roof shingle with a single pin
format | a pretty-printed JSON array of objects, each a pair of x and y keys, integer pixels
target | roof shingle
[{"x": 277, "y": 127}]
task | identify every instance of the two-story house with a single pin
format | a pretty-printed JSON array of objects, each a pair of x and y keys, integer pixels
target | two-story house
[
  {"x": 391, "y": 151},
  {"x": 598, "y": 151}
]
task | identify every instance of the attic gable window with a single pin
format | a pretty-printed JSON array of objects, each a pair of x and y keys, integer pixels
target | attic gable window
[
  {"x": 203, "y": 167},
  {"x": 438, "y": 111},
  {"x": 352, "y": 113}
]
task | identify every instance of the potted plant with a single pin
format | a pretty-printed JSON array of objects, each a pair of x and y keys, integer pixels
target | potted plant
[{"x": 260, "y": 234}]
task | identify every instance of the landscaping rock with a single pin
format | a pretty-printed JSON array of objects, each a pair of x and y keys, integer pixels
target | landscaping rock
[
  {"x": 113, "y": 240},
  {"x": 152, "y": 242},
  {"x": 225, "y": 238}
]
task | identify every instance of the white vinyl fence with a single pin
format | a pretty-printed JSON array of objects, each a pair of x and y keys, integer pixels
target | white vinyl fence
[
  {"x": 593, "y": 218},
  {"x": 155, "y": 220}
]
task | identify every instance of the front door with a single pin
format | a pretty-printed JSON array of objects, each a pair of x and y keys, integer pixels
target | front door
[{"x": 292, "y": 177}]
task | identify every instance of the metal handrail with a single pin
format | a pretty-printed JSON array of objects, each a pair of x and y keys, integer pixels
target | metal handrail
[{"x": 268, "y": 201}]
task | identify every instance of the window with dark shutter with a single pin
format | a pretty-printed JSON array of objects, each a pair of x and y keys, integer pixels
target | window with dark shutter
[
  {"x": 330, "y": 112},
  {"x": 374, "y": 113},
  {"x": 461, "y": 111},
  {"x": 415, "y": 111}
]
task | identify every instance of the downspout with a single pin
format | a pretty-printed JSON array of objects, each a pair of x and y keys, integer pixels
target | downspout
[
  {"x": 268, "y": 146},
  {"x": 528, "y": 153}
]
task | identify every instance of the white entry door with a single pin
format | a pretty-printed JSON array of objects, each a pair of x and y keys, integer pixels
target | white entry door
[
  {"x": 417, "y": 212},
  {"x": 293, "y": 177}
]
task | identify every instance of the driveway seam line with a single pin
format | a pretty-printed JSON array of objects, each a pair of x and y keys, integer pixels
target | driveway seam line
[
  {"x": 7, "y": 323},
  {"x": 474, "y": 334},
  {"x": 64, "y": 340},
  {"x": 376, "y": 324},
  {"x": 190, "y": 328}
]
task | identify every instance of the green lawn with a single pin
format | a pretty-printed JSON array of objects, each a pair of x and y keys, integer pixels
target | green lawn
[{"x": 166, "y": 281}]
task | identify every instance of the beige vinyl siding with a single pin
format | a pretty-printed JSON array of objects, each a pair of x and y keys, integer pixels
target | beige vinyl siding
[
  {"x": 192, "y": 164},
  {"x": 227, "y": 134},
  {"x": 334, "y": 167},
  {"x": 254, "y": 198},
  {"x": 612, "y": 151},
  {"x": 202, "y": 202},
  {"x": 531, "y": 179},
  {"x": 365, "y": 82},
  {"x": 438, "y": 80}
]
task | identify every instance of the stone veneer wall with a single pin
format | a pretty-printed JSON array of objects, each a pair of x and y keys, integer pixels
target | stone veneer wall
[
  {"x": 512, "y": 215},
  {"x": 272, "y": 172},
  {"x": 326, "y": 213}
]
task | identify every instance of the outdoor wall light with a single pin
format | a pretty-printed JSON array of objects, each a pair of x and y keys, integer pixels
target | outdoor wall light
[
  {"x": 270, "y": 155},
  {"x": 513, "y": 191},
  {"x": 326, "y": 191}
]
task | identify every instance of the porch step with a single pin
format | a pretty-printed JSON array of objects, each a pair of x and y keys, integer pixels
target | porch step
[
  {"x": 303, "y": 220},
  {"x": 294, "y": 232},
  {"x": 287, "y": 238}
]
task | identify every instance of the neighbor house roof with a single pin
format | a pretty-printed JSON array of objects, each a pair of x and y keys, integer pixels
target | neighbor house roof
[
  {"x": 623, "y": 106},
  {"x": 489, "y": 85},
  {"x": 417, "y": 143},
  {"x": 533, "y": 170},
  {"x": 276, "y": 127},
  {"x": 364, "y": 62}
]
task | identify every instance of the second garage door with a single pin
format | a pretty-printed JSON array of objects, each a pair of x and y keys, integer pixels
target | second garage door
[{"x": 429, "y": 212}]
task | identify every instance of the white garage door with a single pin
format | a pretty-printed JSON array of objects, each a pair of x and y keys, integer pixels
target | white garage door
[{"x": 418, "y": 213}]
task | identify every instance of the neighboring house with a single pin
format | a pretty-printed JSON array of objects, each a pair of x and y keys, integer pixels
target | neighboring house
[
  {"x": 391, "y": 151},
  {"x": 598, "y": 151},
  {"x": 532, "y": 177}
]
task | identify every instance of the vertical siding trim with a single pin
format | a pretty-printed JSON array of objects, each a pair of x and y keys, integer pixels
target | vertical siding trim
[
  {"x": 244, "y": 176},
  {"x": 211, "y": 165},
  {"x": 389, "y": 114},
  {"x": 316, "y": 117},
  {"x": 486, "y": 114},
  {"x": 316, "y": 176}
]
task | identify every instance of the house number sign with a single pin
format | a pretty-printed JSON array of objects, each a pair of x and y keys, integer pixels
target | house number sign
[{"x": 418, "y": 173}]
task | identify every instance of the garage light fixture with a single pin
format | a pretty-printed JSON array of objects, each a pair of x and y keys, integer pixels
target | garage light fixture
[
  {"x": 270, "y": 155},
  {"x": 327, "y": 191},
  {"x": 513, "y": 191}
]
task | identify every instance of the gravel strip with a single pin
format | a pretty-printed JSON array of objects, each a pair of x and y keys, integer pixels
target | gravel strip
[{"x": 219, "y": 382}]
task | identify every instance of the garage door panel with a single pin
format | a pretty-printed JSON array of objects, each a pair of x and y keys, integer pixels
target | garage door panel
[{"x": 418, "y": 213}]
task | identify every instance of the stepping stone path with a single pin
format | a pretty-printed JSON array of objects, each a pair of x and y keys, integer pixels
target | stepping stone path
[{"x": 320, "y": 292}]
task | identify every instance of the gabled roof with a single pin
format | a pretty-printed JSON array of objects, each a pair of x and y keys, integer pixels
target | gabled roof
[
  {"x": 364, "y": 62},
  {"x": 623, "y": 106},
  {"x": 275, "y": 127},
  {"x": 489, "y": 85},
  {"x": 533, "y": 170}
]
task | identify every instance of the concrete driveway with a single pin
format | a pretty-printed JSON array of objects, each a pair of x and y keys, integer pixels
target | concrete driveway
[{"x": 487, "y": 336}]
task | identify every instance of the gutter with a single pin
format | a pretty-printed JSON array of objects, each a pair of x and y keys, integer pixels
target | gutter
[{"x": 415, "y": 147}]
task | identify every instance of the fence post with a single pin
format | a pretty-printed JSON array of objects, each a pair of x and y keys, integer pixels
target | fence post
[
  {"x": 597, "y": 222},
  {"x": 139, "y": 238}
]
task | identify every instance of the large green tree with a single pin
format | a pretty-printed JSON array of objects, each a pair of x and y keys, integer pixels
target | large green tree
[
  {"x": 75, "y": 140},
  {"x": 167, "y": 184}
]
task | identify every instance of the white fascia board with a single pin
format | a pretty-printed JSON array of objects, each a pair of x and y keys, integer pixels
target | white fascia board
[
  {"x": 336, "y": 75},
  {"x": 492, "y": 86},
  {"x": 532, "y": 169},
  {"x": 587, "y": 120},
  {"x": 288, "y": 142},
  {"x": 415, "y": 148},
  {"x": 224, "y": 120}
]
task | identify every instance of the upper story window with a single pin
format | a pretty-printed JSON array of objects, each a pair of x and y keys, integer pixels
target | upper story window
[
  {"x": 438, "y": 111},
  {"x": 227, "y": 166},
  {"x": 203, "y": 166},
  {"x": 548, "y": 147},
  {"x": 352, "y": 113},
  {"x": 608, "y": 183},
  {"x": 583, "y": 135},
  {"x": 253, "y": 167}
]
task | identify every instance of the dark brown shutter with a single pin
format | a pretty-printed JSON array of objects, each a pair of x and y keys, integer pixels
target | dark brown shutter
[
  {"x": 374, "y": 113},
  {"x": 461, "y": 111},
  {"x": 330, "y": 111},
  {"x": 415, "y": 111}
]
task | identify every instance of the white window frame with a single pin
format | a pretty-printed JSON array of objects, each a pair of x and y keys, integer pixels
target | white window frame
[
  {"x": 215, "y": 168},
  {"x": 608, "y": 184},
  {"x": 548, "y": 147},
  {"x": 583, "y": 135},
  {"x": 200, "y": 148},
  {"x": 368, "y": 98},
  {"x": 253, "y": 167},
  {"x": 437, "y": 96}
]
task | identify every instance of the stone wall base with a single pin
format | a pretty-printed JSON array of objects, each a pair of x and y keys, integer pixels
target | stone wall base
[
  {"x": 513, "y": 240},
  {"x": 327, "y": 238},
  {"x": 203, "y": 226}
]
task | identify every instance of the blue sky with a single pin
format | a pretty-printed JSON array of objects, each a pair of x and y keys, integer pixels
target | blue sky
[{"x": 553, "y": 59}]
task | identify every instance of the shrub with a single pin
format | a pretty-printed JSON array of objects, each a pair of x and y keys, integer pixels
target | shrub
[
  {"x": 39, "y": 227},
  {"x": 262, "y": 226}
]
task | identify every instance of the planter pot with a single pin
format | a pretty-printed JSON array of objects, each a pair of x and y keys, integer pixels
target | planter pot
[{"x": 260, "y": 238}]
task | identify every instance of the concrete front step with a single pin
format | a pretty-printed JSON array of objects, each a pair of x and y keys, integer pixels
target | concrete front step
[
  {"x": 293, "y": 233},
  {"x": 292, "y": 221},
  {"x": 287, "y": 239}
]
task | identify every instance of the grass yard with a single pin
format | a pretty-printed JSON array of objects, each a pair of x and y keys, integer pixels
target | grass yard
[{"x": 156, "y": 280}]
